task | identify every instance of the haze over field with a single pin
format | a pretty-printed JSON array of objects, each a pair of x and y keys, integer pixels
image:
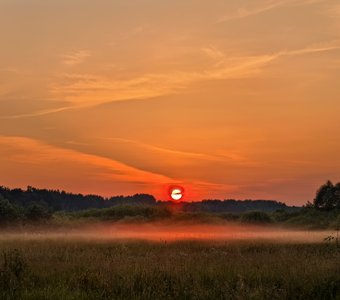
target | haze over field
[
  {"x": 229, "y": 99},
  {"x": 166, "y": 232}
]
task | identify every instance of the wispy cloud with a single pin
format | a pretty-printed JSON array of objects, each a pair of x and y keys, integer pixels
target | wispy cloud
[
  {"x": 34, "y": 152},
  {"x": 214, "y": 53},
  {"x": 320, "y": 47},
  {"x": 102, "y": 173},
  {"x": 195, "y": 155},
  {"x": 11, "y": 69},
  {"x": 266, "y": 6},
  {"x": 88, "y": 90},
  {"x": 37, "y": 113},
  {"x": 76, "y": 57},
  {"x": 244, "y": 12}
]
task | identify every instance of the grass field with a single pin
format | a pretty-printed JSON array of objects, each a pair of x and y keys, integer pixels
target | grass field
[{"x": 47, "y": 266}]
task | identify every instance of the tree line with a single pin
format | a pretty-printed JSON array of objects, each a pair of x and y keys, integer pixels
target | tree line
[{"x": 35, "y": 204}]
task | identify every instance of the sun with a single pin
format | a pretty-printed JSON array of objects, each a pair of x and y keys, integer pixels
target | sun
[{"x": 176, "y": 193}]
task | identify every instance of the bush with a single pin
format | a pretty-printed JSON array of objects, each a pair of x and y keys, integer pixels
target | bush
[
  {"x": 314, "y": 218},
  {"x": 8, "y": 211},
  {"x": 121, "y": 212},
  {"x": 36, "y": 212},
  {"x": 257, "y": 217},
  {"x": 283, "y": 215}
]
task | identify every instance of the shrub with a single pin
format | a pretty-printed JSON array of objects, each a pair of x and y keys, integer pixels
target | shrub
[
  {"x": 283, "y": 215},
  {"x": 121, "y": 212},
  {"x": 257, "y": 217},
  {"x": 8, "y": 211},
  {"x": 36, "y": 212},
  {"x": 314, "y": 218}
]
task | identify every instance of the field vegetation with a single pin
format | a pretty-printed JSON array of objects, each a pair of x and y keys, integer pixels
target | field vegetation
[{"x": 49, "y": 268}]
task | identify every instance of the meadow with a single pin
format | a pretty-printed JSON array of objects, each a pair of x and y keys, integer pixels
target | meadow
[
  {"x": 57, "y": 245},
  {"x": 103, "y": 264}
]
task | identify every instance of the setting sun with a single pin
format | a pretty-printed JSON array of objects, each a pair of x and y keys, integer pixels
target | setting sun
[
  {"x": 176, "y": 193},
  {"x": 175, "y": 149}
]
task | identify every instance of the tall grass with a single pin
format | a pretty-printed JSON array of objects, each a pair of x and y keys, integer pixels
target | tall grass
[{"x": 80, "y": 269}]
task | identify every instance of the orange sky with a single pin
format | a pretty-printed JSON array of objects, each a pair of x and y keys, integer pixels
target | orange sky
[{"x": 230, "y": 99}]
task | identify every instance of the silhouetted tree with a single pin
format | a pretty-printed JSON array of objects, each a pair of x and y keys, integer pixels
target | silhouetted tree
[
  {"x": 337, "y": 195},
  {"x": 328, "y": 196},
  {"x": 57, "y": 200}
]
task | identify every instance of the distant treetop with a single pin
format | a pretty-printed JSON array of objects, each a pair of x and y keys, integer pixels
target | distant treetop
[{"x": 328, "y": 196}]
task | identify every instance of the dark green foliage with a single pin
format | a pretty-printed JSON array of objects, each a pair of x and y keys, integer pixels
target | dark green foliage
[
  {"x": 37, "y": 212},
  {"x": 235, "y": 206},
  {"x": 36, "y": 205},
  {"x": 256, "y": 217},
  {"x": 328, "y": 196},
  {"x": 314, "y": 218},
  {"x": 57, "y": 200},
  {"x": 309, "y": 218},
  {"x": 8, "y": 212},
  {"x": 283, "y": 215},
  {"x": 144, "y": 212}
]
